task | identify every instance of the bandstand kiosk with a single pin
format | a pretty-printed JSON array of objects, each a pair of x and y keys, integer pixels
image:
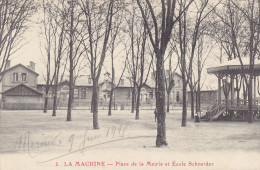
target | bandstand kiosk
[{"x": 229, "y": 105}]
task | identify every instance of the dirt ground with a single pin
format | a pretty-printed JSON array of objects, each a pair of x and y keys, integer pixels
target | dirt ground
[{"x": 34, "y": 140}]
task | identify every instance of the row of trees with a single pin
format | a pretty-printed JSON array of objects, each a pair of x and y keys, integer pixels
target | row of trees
[
  {"x": 144, "y": 35},
  {"x": 14, "y": 22}
]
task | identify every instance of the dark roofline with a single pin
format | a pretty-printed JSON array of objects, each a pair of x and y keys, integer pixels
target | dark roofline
[
  {"x": 41, "y": 84},
  {"x": 3, "y": 72},
  {"x": 233, "y": 68},
  {"x": 104, "y": 82},
  {"x": 124, "y": 86},
  {"x": 25, "y": 86},
  {"x": 145, "y": 84},
  {"x": 177, "y": 74},
  {"x": 204, "y": 91}
]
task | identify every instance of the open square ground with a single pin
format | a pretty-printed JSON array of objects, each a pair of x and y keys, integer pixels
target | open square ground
[{"x": 34, "y": 140}]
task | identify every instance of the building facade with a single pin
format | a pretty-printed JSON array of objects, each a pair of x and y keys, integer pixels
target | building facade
[
  {"x": 82, "y": 94},
  {"x": 20, "y": 90},
  {"x": 18, "y": 87}
]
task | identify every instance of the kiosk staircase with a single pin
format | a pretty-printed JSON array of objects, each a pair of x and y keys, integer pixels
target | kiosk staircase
[
  {"x": 231, "y": 110},
  {"x": 215, "y": 111}
]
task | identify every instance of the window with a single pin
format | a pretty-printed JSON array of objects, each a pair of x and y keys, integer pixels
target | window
[
  {"x": 76, "y": 93},
  {"x": 50, "y": 93},
  {"x": 24, "y": 77},
  {"x": 151, "y": 94},
  {"x": 15, "y": 77},
  {"x": 89, "y": 80},
  {"x": 122, "y": 82},
  {"x": 144, "y": 97},
  {"x": 108, "y": 94},
  {"x": 178, "y": 96},
  {"x": 83, "y": 93},
  {"x": 128, "y": 94}
]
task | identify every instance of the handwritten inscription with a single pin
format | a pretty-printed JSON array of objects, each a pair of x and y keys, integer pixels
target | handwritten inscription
[{"x": 74, "y": 142}]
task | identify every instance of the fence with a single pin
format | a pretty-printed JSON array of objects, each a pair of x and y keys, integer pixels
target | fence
[
  {"x": 22, "y": 106},
  {"x": 78, "y": 106}
]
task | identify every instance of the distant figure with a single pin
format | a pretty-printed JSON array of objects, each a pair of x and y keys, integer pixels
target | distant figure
[{"x": 155, "y": 114}]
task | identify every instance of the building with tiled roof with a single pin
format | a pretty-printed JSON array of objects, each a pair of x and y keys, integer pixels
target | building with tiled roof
[{"x": 18, "y": 87}]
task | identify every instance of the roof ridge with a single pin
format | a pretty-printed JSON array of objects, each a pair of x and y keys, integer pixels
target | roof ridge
[
  {"x": 25, "y": 86},
  {"x": 18, "y": 65}
]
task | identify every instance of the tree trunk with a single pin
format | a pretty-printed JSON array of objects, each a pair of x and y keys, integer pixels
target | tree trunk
[
  {"x": 110, "y": 103},
  {"x": 199, "y": 102},
  {"x": 71, "y": 88},
  {"x": 226, "y": 98},
  {"x": 70, "y": 101},
  {"x": 160, "y": 101},
  {"x": 45, "y": 104},
  {"x": 168, "y": 101},
  {"x": 137, "y": 103},
  {"x": 54, "y": 101},
  {"x": 196, "y": 101},
  {"x": 192, "y": 103},
  {"x": 71, "y": 69},
  {"x": 46, "y": 99},
  {"x": 250, "y": 99},
  {"x": 245, "y": 92},
  {"x": 238, "y": 90},
  {"x": 184, "y": 105},
  {"x": 95, "y": 104},
  {"x": 133, "y": 100},
  {"x": 91, "y": 107}
]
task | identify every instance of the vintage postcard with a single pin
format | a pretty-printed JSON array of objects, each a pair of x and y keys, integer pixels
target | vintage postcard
[{"x": 129, "y": 84}]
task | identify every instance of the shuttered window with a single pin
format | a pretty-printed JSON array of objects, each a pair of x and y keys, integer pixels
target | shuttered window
[
  {"x": 15, "y": 77},
  {"x": 24, "y": 77}
]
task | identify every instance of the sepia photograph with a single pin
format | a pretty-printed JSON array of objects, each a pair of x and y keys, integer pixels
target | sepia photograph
[{"x": 130, "y": 84}]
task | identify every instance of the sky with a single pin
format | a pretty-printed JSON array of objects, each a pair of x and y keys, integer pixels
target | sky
[{"x": 31, "y": 51}]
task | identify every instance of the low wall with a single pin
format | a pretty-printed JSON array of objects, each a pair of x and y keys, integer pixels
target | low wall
[
  {"x": 22, "y": 106},
  {"x": 76, "y": 105}
]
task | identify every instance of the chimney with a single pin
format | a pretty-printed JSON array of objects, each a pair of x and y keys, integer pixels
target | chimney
[
  {"x": 32, "y": 65},
  {"x": 8, "y": 63}
]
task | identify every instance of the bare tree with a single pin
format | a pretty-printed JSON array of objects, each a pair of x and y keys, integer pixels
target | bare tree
[
  {"x": 14, "y": 19},
  {"x": 253, "y": 19},
  {"x": 115, "y": 32},
  {"x": 53, "y": 36},
  {"x": 71, "y": 79},
  {"x": 142, "y": 68},
  {"x": 139, "y": 64},
  {"x": 133, "y": 73},
  {"x": 242, "y": 22},
  {"x": 203, "y": 53},
  {"x": 98, "y": 22},
  {"x": 58, "y": 16},
  {"x": 201, "y": 14},
  {"x": 159, "y": 40},
  {"x": 169, "y": 77},
  {"x": 76, "y": 50},
  {"x": 183, "y": 43},
  {"x": 190, "y": 30}
]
